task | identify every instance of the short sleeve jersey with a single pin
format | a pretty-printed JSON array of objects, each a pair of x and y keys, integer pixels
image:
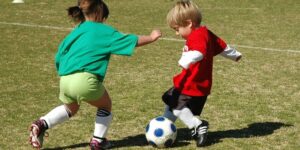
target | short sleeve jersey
[
  {"x": 89, "y": 46},
  {"x": 197, "y": 79}
]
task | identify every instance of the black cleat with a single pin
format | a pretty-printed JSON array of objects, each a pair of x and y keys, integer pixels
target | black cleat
[{"x": 200, "y": 133}]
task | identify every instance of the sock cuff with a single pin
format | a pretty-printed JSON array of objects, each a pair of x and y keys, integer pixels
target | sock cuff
[{"x": 103, "y": 113}]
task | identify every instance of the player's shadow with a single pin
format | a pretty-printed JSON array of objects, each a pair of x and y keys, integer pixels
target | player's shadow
[
  {"x": 253, "y": 130},
  {"x": 138, "y": 140},
  {"x": 183, "y": 136}
]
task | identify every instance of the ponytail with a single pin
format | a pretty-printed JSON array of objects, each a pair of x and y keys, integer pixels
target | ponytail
[
  {"x": 95, "y": 9},
  {"x": 76, "y": 14},
  {"x": 105, "y": 11}
]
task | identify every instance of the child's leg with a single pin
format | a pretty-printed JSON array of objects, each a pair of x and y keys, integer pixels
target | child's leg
[
  {"x": 169, "y": 114},
  {"x": 186, "y": 108},
  {"x": 187, "y": 117},
  {"x": 200, "y": 132},
  {"x": 103, "y": 120},
  {"x": 198, "y": 127},
  {"x": 60, "y": 114},
  {"x": 178, "y": 103},
  {"x": 103, "y": 117},
  {"x": 54, "y": 117}
]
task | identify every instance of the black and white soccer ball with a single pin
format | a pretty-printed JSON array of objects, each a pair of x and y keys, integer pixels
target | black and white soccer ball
[{"x": 161, "y": 132}]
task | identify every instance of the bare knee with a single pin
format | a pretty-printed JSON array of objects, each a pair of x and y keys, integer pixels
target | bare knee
[
  {"x": 72, "y": 108},
  {"x": 103, "y": 103}
]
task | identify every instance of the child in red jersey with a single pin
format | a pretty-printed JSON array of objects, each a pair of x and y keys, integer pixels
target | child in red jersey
[{"x": 186, "y": 99}]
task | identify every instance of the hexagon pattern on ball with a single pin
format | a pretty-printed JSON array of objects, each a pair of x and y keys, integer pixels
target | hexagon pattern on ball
[{"x": 161, "y": 132}]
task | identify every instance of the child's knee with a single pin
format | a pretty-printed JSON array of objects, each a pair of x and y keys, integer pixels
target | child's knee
[{"x": 72, "y": 109}]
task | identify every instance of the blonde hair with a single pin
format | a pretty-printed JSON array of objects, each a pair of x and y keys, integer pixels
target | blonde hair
[{"x": 183, "y": 11}]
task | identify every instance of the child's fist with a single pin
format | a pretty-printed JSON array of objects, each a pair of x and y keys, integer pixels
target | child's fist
[{"x": 155, "y": 34}]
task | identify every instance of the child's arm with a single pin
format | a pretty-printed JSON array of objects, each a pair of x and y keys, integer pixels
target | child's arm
[
  {"x": 147, "y": 39},
  {"x": 231, "y": 53}
]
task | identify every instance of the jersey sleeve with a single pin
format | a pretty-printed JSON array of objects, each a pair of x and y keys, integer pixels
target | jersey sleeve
[
  {"x": 189, "y": 58},
  {"x": 123, "y": 44},
  {"x": 218, "y": 44},
  {"x": 231, "y": 53}
]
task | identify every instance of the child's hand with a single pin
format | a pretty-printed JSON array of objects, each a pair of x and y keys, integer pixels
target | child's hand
[
  {"x": 155, "y": 34},
  {"x": 146, "y": 39}
]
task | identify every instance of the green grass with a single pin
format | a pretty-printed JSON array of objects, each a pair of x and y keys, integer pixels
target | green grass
[{"x": 254, "y": 104}]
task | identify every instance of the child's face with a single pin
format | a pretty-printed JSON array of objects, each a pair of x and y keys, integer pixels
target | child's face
[{"x": 184, "y": 32}]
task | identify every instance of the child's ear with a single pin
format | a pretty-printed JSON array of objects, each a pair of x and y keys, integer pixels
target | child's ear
[{"x": 189, "y": 23}]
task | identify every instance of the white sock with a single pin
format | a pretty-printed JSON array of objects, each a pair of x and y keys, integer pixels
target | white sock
[
  {"x": 56, "y": 116},
  {"x": 169, "y": 114},
  {"x": 187, "y": 117},
  {"x": 102, "y": 123}
]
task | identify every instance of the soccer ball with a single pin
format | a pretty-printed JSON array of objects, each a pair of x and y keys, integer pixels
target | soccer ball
[{"x": 161, "y": 132}]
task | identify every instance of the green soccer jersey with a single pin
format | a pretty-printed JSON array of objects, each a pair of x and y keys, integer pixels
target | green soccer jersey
[{"x": 89, "y": 46}]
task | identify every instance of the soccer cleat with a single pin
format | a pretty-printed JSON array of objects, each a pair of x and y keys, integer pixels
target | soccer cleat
[
  {"x": 200, "y": 133},
  {"x": 37, "y": 133},
  {"x": 96, "y": 145}
]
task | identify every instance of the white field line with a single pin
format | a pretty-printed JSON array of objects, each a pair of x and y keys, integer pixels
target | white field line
[
  {"x": 268, "y": 49},
  {"x": 35, "y": 26},
  {"x": 167, "y": 39},
  {"x": 228, "y": 8}
]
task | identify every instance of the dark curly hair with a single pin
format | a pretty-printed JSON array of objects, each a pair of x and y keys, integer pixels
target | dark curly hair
[{"x": 95, "y": 9}]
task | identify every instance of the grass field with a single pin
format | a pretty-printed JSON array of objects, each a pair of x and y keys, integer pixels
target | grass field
[{"x": 254, "y": 104}]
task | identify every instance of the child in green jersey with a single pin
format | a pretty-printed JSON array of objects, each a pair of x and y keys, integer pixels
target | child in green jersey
[{"x": 81, "y": 61}]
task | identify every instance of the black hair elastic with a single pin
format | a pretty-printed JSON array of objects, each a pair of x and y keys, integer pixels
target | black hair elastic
[{"x": 99, "y": 1}]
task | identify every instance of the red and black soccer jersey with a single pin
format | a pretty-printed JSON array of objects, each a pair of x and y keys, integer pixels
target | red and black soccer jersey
[{"x": 197, "y": 79}]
